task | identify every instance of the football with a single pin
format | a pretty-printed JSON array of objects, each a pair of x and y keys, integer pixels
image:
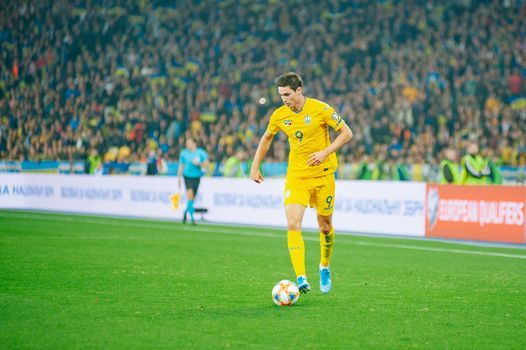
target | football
[{"x": 285, "y": 293}]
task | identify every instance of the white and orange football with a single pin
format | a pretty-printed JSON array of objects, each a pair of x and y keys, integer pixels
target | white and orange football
[{"x": 285, "y": 293}]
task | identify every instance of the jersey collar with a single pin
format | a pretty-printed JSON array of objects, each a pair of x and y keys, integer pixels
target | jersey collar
[{"x": 302, "y": 107}]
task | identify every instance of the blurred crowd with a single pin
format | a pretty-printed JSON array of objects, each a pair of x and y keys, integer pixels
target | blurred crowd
[{"x": 127, "y": 81}]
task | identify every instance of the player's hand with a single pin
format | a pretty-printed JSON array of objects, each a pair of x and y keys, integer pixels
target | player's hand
[
  {"x": 316, "y": 158},
  {"x": 255, "y": 175}
]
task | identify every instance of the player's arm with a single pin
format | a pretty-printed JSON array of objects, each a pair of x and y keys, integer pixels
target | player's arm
[
  {"x": 263, "y": 147},
  {"x": 180, "y": 168},
  {"x": 344, "y": 136},
  {"x": 204, "y": 166},
  {"x": 204, "y": 163}
]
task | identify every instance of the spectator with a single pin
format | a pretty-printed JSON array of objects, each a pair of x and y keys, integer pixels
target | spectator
[
  {"x": 401, "y": 73},
  {"x": 234, "y": 164},
  {"x": 495, "y": 176},
  {"x": 94, "y": 161},
  {"x": 475, "y": 170},
  {"x": 449, "y": 168}
]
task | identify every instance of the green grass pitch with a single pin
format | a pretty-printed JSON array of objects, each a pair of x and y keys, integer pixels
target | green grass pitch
[{"x": 72, "y": 281}]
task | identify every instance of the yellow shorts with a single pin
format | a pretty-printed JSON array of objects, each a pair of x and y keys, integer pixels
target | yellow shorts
[{"x": 318, "y": 192}]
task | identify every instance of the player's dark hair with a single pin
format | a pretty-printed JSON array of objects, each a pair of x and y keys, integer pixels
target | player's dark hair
[
  {"x": 290, "y": 79},
  {"x": 194, "y": 140}
]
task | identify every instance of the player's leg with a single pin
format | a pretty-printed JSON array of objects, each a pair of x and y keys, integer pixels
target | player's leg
[
  {"x": 189, "y": 198},
  {"x": 189, "y": 204},
  {"x": 296, "y": 244},
  {"x": 195, "y": 187},
  {"x": 325, "y": 208},
  {"x": 296, "y": 200},
  {"x": 326, "y": 238},
  {"x": 326, "y": 245}
]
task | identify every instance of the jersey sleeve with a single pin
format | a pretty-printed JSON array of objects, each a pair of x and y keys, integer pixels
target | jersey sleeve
[
  {"x": 273, "y": 127},
  {"x": 333, "y": 119}
]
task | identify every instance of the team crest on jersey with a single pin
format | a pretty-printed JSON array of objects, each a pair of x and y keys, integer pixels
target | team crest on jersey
[
  {"x": 307, "y": 120},
  {"x": 287, "y": 122},
  {"x": 335, "y": 116}
]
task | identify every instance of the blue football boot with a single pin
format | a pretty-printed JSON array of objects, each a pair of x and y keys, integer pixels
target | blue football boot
[
  {"x": 303, "y": 285},
  {"x": 325, "y": 279}
]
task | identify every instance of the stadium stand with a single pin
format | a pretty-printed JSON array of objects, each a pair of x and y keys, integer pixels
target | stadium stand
[{"x": 119, "y": 82}]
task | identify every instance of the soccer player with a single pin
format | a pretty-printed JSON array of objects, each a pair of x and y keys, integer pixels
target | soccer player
[
  {"x": 311, "y": 167},
  {"x": 192, "y": 161}
]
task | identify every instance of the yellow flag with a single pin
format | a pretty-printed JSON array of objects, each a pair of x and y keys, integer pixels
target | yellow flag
[{"x": 175, "y": 200}]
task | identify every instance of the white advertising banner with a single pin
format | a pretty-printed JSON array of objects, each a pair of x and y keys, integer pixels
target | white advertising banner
[
  {"x": 108, "y": 195},
  {"x": 360, "y": 206},
  {"x": 382, "y": 207}
]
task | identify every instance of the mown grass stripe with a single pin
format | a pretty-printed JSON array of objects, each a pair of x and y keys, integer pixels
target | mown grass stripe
[{"x": 238, "y": 230}]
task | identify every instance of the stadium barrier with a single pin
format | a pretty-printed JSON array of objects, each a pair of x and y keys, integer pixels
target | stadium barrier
[
  {"x": 369, "y": 207},
  {"x": 495, "y": 214},
  {"x": 422, "y": 172},
  {"x": 481, "y": 213}
]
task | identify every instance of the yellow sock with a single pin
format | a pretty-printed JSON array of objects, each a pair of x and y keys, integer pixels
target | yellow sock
[
  {"x": 296, "y": 251},
  {"x": 326, "y": 242}
]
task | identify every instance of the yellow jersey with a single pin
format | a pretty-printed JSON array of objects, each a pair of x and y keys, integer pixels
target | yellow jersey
[{"x": 308, "y": 132}]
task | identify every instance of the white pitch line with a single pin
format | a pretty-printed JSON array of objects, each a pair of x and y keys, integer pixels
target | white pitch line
[
  {"x": 167, "y": 226},
  {"x": 436, "y": 249}
]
